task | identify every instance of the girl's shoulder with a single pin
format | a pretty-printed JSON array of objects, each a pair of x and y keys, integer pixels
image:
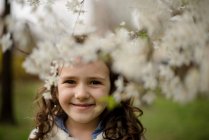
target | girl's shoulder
[
  {"x": 32, "y": 134},
  {"x": 55, "y": 134},
  {"x": 58, "y": 134}
]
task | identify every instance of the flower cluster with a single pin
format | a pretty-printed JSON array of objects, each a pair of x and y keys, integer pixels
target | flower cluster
[
  {"x": 164, "y": 50},
  {"x": 127, "y": 55}
]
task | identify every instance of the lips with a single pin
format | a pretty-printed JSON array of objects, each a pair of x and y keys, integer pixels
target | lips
[{"x": 82, "y": 105}]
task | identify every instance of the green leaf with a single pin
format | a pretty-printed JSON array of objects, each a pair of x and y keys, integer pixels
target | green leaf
[
  {"x": 143, "y": 34},
  {"x": 110, "y": 101}
]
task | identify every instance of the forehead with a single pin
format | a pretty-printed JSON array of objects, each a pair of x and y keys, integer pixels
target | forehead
[{"x": 95, "y": 68}]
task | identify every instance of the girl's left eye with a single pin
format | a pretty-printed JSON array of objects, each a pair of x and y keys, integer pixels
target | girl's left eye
[{"x": 95, "y": 82}]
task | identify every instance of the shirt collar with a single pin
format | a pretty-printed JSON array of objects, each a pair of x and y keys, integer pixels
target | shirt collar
[{"x": 60, "y": 122}]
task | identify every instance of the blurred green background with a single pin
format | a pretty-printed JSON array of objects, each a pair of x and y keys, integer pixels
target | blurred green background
[{"x": 163, "y": 120}]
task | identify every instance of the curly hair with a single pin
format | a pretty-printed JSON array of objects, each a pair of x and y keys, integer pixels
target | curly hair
[
  {"x": 122, "y": 123},
  {"x": 48, "y": 110}
]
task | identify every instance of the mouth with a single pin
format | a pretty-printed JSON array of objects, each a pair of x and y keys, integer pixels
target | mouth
[{"x": 82, "y": 105}]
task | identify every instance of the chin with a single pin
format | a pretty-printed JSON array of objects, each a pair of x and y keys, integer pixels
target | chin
[{"x": 84, "y": 119}]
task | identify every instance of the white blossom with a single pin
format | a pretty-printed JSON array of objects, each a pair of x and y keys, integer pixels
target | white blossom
[
  {"x": 149, "y": 97},
  {"x": 6, "y": 42},
  {"x": 192, "y": 83},
  {"x": 119, "y": 83},
  {"x": 51, "y": 81},
  {"x": 39, "y": 62},
  {"x": 132, "y": 91},
  {"x": 117, "y": 96},
  {"x": 74, "y": 5},
  {"x": 47, "y": 95}
]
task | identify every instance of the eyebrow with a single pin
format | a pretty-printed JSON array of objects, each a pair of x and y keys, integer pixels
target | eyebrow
[
  {"x": 91, "y": 77},
  {"x": 99, "y": 78},
  {"x": 67, "y": 77}
]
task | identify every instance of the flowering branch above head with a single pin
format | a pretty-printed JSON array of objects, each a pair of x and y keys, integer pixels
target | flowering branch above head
[{"x": 170, "y": 55}]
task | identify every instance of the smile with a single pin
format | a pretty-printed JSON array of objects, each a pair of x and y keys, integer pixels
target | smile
[{"x": 82, "y": 105}]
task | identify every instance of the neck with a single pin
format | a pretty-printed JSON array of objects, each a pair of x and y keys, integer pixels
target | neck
[{"x": 82, "y": 131}]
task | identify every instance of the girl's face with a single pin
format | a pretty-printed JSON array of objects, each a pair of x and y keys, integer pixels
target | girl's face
[{"x": 80, "y": 87}]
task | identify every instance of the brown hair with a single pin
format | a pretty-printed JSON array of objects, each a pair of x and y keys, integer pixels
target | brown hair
[
  {"x": 122, "y": 123},
  {"x": 48, "y": 110}
]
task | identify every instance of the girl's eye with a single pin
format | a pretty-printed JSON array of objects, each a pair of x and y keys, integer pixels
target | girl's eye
[
  {"x": 69, "y": 82},
  {"x": 95, "y": 82}
]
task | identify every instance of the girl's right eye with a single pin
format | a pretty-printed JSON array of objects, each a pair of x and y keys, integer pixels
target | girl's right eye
[{"x": 69, "y": 82}]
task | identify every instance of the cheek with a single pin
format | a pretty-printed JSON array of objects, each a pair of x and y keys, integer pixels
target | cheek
[
  {"x": 64, "y": 94},
  {"x": 101, "y": 93}
]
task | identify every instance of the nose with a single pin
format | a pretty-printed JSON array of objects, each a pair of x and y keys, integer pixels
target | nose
[{"x": 81, "y": 92}]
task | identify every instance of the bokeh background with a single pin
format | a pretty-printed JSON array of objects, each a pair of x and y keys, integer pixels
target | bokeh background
[{"x": 164, "y": 119}]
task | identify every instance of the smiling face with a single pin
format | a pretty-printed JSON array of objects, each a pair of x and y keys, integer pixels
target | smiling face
[{"x": 80, "y": 87}]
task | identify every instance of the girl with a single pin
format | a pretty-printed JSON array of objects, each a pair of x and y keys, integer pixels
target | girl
[{"x": 76, "y": 110}]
